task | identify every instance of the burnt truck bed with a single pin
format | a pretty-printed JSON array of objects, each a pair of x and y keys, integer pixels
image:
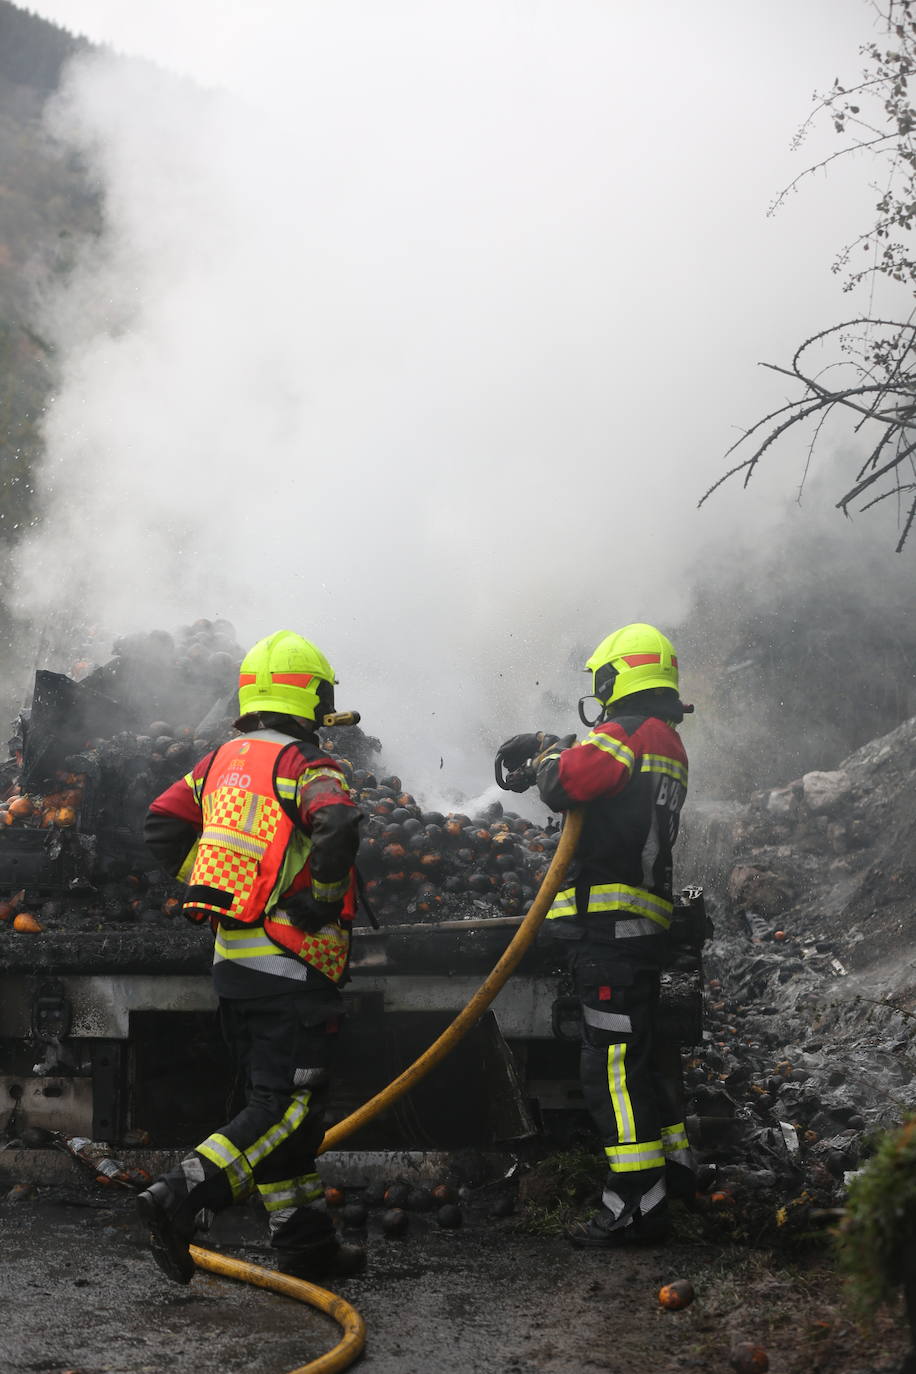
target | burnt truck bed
[
  {"x": 418, "y": 967},
  {"x": 113, "y": 1031}
]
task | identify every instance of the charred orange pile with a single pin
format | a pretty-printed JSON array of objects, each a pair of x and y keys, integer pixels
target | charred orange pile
[
  {"x": 102, "y": 741},
  {"x": 415, "y": 860},
  {"x": 42, "y": 811}
]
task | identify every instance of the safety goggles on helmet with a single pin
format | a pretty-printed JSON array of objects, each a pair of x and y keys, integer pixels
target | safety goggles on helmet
[{"x": 594, "y": 720}]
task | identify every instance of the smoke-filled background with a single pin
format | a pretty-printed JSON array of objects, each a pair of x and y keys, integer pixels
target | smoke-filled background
[{"x": 422, "y": 329}]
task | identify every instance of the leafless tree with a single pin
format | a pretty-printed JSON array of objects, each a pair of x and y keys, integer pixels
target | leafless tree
[{"x": 863, "y": 370}]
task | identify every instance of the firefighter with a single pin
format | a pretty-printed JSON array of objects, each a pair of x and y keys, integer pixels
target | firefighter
[
  {"x": 629, "y": 773},
  {"x": 264, "y": 834}
]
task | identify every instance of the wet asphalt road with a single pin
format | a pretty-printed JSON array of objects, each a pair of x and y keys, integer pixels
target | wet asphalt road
[{"x": 80, "y": 1294}]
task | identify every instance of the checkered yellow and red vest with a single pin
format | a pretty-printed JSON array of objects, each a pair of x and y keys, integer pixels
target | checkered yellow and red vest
[{"x": 251, "y": 853}]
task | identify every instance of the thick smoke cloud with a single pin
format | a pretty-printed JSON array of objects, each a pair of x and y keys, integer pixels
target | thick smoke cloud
[{"x": 428, "y": 344}]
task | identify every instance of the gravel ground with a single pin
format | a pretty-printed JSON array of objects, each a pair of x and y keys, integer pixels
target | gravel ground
[{"x": 80, "y": 1294}]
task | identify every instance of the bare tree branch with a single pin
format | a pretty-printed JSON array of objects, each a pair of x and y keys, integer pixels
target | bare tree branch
[{"x": 865, "y": 368}]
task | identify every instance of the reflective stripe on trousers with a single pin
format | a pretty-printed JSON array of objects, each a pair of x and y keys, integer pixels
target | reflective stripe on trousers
[
  {"x": 628, "y": 1154},
  {"x": 676, "y": 1145}
]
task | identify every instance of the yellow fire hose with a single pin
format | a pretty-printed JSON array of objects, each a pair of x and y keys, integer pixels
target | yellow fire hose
[
  {"x": 354, "y": 1329},
  {"x": 347, "y": 1317}
]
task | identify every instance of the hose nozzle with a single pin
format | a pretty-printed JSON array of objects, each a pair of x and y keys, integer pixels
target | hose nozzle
[{"x": 341, "y": 718}]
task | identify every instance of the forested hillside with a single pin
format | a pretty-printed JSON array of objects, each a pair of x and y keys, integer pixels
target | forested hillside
[{"x": 44, "y": 202}]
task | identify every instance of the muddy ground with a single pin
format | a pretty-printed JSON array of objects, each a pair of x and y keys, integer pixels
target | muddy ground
[{"x": 79, "y": 1294}]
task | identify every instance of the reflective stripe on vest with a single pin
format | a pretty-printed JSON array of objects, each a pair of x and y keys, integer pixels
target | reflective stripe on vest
[
  {"x": 654, "y": 912},
  {"x": 245, "y": 831}
]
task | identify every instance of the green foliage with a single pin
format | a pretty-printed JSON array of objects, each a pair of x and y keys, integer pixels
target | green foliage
[
  {"x": 880, "y": 1219},
  {"x": 557, "y": 1189}
]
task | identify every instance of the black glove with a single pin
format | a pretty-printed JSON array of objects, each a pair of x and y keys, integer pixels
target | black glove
[
  {"x": 551, "y": 744},
  {"x": 307, "y": 914},
  {"x": 518, "y": 779},
  {"x": 512, "y": 771},
  {"x": 519, "y": 749}
]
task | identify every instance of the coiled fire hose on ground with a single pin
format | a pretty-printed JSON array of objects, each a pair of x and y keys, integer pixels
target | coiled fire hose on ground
[{"x": 354, "y": 1330}]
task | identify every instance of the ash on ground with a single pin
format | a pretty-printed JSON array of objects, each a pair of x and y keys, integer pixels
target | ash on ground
[{"x": 811, "y": 987}]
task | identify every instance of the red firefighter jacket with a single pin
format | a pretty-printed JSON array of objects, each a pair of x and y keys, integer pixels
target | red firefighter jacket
[{"x": 630, "y": 772}]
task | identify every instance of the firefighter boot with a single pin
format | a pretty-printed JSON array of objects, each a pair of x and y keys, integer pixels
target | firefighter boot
[
  {"x": 324, "y": 1259},
  {"x": 307, "y": 1246},
  {"x": 169, "y": 1234},
  {"x": 594, "y": 1234}
]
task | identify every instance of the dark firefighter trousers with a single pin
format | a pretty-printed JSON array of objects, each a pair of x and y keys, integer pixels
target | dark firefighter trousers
[
  {"x": 280, "y": 1045},
  {"x": 631, "y": 1082}
]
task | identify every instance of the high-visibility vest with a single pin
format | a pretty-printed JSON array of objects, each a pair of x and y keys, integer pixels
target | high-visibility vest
[{"x": 251, "y": 853}]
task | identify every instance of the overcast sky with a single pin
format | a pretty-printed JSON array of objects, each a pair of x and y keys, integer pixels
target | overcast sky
[
  {"x": 429, "y": 343},
  {"x": 226, "y": 42}
]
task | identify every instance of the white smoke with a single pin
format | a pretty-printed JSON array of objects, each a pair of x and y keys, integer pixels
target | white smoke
[{"x": 428, "y": 346}]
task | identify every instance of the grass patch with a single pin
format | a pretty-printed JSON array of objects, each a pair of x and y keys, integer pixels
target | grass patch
[{"x": 557, "y": 1190}]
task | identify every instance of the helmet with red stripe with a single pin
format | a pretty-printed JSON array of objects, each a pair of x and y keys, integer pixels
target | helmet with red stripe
[
  {"x": 635, "y": 658},
  {"x": 287, "y": 674}
]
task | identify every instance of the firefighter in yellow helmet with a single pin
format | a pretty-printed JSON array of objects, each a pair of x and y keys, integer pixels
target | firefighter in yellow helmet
[
  {"x": 264, "y": 834},
  {"x": 629, "y": 774}
]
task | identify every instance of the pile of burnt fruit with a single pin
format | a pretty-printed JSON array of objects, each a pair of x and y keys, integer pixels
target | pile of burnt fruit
[
  {"x": 58, "y": 804},
  {"x": 184, "y": 678},
  {"x": 352, "y": 746},
  {"x": 414, "y": 860},
  {"x": 135, "y": 768},
  {"x": 138, "y": 766}
]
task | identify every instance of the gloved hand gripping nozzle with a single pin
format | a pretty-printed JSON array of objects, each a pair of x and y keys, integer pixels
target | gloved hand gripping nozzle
[{"x": 521, "y": 755}]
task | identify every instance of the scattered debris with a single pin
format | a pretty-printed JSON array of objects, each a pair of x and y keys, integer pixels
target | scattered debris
[
  {"x": 676, "y": 1295},
  {"x": 106, "y": 1169},
  {"x": 25, "y": 922},
  {"x": 450, "y": 1217},
  {"x": 354, "y": 1215},
  {"x": 21, "y": 1192},
  {"x": 807, "y": 1044},
  {"x": 747, "y": 1358},
  {"x": 395, "y": 1222}
]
